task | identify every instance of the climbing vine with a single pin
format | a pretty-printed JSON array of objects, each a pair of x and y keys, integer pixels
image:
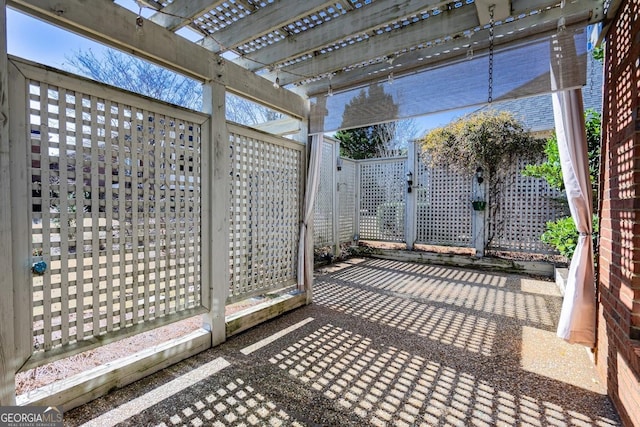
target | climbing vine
[{"x": 492, "y": 140}]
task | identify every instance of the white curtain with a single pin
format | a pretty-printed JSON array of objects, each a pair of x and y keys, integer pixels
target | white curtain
[
  {"x": 578, "y": 316},
  {"x": 305, "y": 247}
]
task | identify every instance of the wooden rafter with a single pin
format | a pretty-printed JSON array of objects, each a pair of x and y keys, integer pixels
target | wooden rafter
[
  {"x": 440, "y": 54},
  {"x": 263, "y": 21},
  {"x": 445, "y": 36},
  {"x": 362, "y": 20},
  {"x": 115, "y": 26},
  {"x": 353, "y": 46},
  {"x": 181, "y": 12},
  {"x": 451, "y": 22}
]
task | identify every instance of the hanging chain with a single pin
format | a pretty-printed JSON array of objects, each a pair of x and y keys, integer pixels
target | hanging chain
[{"x": 491, "y": 9}]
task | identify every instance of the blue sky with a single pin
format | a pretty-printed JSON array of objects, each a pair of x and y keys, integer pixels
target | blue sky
[{"x": 35, "y": 40}]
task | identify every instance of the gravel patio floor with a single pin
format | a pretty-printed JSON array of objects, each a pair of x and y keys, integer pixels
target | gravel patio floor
[{"x": 385, "y": 343}]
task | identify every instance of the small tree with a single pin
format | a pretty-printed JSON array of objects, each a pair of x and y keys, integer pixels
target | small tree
[{"x": 492, "y": 140}]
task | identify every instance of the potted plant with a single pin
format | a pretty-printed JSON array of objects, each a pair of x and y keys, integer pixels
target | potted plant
[{"x": 479, "y": 205}]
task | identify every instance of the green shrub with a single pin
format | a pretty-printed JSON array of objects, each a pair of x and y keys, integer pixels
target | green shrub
[
  {"x": 563, "y": 235},
  {"x": 550, "y": 170}
]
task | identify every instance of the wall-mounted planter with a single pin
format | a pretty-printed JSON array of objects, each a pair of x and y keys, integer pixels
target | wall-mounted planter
[{"x": 479, "y": 205}]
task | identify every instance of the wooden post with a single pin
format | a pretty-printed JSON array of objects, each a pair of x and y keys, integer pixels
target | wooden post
[
  {"x": 335, "y": 199},
  {"x": 21, "y": 250},
  {"x": 410, "y": 216},
  {"x": 215, "y": 211},
  {"x": 479, "y": 217},
  {"x": 7, "y": 358},
  {"x": 308, "y": 248},
  {"x": 356, "y": 213},
  {"x": 305, "y": 138}
]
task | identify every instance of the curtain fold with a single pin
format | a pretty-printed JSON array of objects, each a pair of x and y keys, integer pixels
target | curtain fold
[
  {"x": 305, "y": 246},
  {"x": 577, "y": 322}
]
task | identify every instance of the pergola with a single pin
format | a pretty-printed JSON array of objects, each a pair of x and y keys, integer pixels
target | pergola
[
  {"x": 308, "y": 59},
  {"x": 321, "y": 47}
]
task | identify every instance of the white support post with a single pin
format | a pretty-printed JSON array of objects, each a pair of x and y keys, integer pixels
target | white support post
[
  {"x": 20, "y": 222},
  {"x": 356, "y": 214},
  {"x": 335, "y": 200},
  {"x": 305, "y": 138},
  {"x": 215, "y": 211},
  {"x": 411, "y": 176},
  {"x": 479, "y": 217},
  {"x": 7, "y": 358}
]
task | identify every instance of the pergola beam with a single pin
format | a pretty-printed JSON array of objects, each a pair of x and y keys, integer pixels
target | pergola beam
[
  {"x": 450, "y": 22},
  {"x": 501, "y": 10},
  {"x": 362, "y": 20},
  {"x": 261, "y": 22},
  {"x": 545, "y": 22},
  {"x": 7, "y": 339},
  {"x": 181, "y": 12},
  {"x": 115, "y": 26},
  {"x": 287, "y": 126}
]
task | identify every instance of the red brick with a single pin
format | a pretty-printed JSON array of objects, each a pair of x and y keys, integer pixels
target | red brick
[
  {"x": 628, "y": 390},
  {"x": 618, "y": 356}
]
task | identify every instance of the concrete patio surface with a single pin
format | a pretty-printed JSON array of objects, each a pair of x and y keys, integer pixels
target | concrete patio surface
[{"x": 385, "y": 343}]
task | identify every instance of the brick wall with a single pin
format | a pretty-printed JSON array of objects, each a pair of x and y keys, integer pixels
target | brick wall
[{"x": 618, "y": 357}]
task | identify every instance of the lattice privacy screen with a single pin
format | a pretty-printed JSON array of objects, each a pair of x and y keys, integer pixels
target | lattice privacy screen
[
  {"x": 266, "y": 196},
  {"x": 526, "y": 204},
  {"x": 347, "y": 200},
  {"x": 443, "y": 211},
  {"x": 443, "y": 206},
  {"x": 383, "y": 187},
  {"x": 114, "y": 208},
  {"x": 324, "y": 203}
]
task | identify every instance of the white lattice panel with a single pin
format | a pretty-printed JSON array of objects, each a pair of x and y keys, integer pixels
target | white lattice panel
[
  {"x": 383, "y": 187},
  {"x": 323, "y": 206},
  {"x": 266, "y": 196},
  {"x": 115, "y": 210},
  {"x": 346, "y": 200},
  {"x": 525, "y": 207},
  {"x": 443, "y": 206}
]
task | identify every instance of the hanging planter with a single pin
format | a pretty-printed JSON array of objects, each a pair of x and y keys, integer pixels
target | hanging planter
[{"x": 479, "y": 205}]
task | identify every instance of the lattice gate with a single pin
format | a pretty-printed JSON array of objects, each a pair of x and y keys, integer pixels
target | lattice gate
[
  {"x": 383, "y": 190},
  {"x": 266, "y": 200},
  {"x": 439, "y": 211},
  {"x": 526, "y": 204},
  {"x": 346, "y": 188},
  {"x": 335, "y": 205},
  {"x": 325, "y": 203},
  {"x": 443, "y": 206},
  {"x": 113, "y": 209}
]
